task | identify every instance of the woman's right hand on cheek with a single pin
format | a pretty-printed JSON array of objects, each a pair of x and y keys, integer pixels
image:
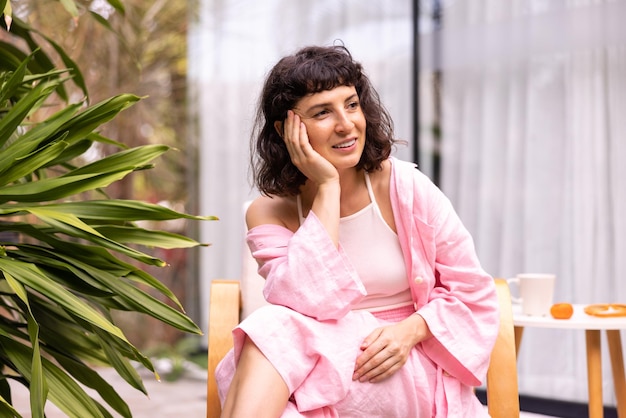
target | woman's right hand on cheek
[{"x": 309, "y": 162}]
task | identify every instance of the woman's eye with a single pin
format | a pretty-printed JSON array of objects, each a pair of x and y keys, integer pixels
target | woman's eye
[
  {"x": 320, "y": 113},
  {"x": 353, "y": 105}
]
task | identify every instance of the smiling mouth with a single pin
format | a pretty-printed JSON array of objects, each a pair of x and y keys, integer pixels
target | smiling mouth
[{"x": 345, "y": 144}]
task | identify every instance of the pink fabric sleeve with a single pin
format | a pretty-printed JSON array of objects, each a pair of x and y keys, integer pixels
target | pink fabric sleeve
[
  {"x": 457, "y": 298},
  {"x": 304, "y": 271},
  {"x": 462, "y": 309}
]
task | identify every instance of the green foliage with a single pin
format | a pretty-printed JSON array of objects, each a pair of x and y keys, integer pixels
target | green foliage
[{"x": 69, "y": 256}]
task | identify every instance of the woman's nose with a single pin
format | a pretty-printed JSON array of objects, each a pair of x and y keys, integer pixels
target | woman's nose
[{"x": 343, "y": 123}]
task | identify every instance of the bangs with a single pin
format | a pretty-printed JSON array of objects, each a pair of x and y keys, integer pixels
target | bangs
[
  {"x": 322, "y": 78},
  {"x": 318, "y": 72}
]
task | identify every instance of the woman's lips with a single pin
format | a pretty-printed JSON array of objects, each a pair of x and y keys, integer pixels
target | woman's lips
[{"x": 346, "y": 144}]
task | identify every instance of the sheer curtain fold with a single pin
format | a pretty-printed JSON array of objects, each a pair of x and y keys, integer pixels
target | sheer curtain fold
[{"x": 533, "y": 158}]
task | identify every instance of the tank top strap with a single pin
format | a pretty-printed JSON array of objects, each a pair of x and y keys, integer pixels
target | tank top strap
[{"x": 370, "y": 191}]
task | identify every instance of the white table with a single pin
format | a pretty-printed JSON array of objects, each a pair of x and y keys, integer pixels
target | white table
[{"x": 592, "y": 326}]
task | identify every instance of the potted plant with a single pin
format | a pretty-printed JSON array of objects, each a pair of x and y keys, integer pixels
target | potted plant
[{"x": 69, "y": 255}]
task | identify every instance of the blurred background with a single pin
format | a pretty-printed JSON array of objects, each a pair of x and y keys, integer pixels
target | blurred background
[{"x": 515, "y": 108}]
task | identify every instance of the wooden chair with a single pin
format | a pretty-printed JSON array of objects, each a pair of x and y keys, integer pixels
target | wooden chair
[{"x": 502, "y": 391}]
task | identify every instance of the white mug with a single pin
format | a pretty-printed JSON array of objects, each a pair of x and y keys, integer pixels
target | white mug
[{"x": 536, "y": 292}]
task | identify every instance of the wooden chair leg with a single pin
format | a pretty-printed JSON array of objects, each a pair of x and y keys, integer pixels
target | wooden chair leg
[
  {"x": 519, "y": 332},
  {"x": 224, "y": 308}
]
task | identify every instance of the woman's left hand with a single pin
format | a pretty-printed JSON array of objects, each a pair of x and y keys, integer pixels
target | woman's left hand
[{"x": 386, "y": 349}]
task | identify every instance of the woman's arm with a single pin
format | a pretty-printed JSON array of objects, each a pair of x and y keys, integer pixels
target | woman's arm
[{"x": 304, "y": 270}]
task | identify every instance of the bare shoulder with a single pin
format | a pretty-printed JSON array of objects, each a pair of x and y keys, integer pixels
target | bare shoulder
[{"x": 274, "y": 210}]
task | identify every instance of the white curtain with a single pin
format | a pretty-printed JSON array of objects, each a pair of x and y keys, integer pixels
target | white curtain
[
  {"x": 533, "y": 152},
  {"x": 232, "y": 45}
]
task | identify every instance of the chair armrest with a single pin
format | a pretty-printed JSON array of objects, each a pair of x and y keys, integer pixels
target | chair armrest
[
  {"x": 502, "y": 387},
  {"x": 224, "y": 310}
]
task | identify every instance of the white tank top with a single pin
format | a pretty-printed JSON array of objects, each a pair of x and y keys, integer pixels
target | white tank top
[{"x": 374, "y": 250}]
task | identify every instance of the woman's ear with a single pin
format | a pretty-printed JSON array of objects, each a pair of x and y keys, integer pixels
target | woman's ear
[{"x": 278, "y": 125}]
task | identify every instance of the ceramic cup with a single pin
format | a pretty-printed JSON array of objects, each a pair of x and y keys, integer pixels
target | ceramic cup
[{"x": 536, "y": 292}]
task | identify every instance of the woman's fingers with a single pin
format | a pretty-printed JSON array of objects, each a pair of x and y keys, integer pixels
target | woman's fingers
[
  {"x": 378, "y": 367},
  {"x": 382, "y": 371},
  {"x": 295, "y": 137},
  {"x": 382, "y": 356},
  {"x": 297, "y": 141}
]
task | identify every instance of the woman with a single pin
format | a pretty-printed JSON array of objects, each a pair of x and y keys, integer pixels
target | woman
[{"x": 380, "y": 306}]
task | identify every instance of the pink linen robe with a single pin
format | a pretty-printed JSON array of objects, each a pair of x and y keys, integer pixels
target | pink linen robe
[{"x": 312, "y": 337}]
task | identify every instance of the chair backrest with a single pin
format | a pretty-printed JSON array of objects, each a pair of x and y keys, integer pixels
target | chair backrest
[
  {"x": 502, "y": 388},
  {"x": 227, "y": 309}
]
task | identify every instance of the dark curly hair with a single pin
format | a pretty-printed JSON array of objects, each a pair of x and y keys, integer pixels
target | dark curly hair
[{"x": 311, "y": 70}]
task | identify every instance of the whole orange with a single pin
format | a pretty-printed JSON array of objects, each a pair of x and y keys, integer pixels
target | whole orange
[{"x": 562, "y": 310}]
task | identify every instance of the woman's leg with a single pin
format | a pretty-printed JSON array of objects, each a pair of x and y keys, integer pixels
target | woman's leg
[{"x": 257, "y": 389}]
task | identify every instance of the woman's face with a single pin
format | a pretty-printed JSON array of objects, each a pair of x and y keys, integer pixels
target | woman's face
[{"x": 335, "y": 124}]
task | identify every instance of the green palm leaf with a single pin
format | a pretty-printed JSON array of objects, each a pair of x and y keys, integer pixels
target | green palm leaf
[
  {"x": 26, "y": 165},
  {"x": 72, "y": 226},
  {"x": 113, "y": 210},
  {"x": 65, "y": 393},
  {"x": 31, "y": 276},
  {"x": 10, "y": 87},
  {"x": 27, "y": 104},
  {"x": 36, "y": 136},
  {"x": 90, "y": 378},
  {"x": 134, "y": 235},
  {"x": 96, "y": 257},
  {"x": 59, "y": 187}
]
